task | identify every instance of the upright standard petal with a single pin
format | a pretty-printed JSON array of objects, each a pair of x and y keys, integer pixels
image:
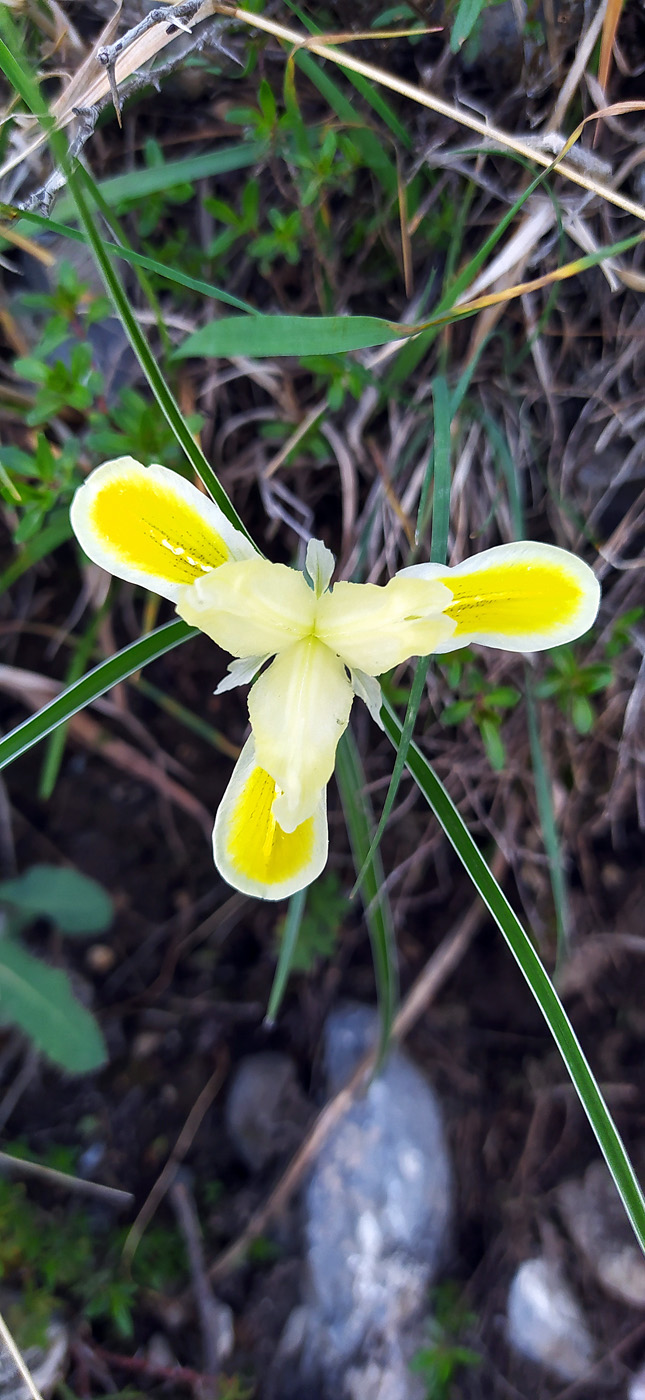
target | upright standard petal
[
  {"x": 517, "y": 597},
  {"x": 299, "y": 709},
  {"x": 148, "y": 525},
  {"x": 374, "y": 628},
  {"x": 251, "y": 849},
  {"x": 253, "y": 608}
]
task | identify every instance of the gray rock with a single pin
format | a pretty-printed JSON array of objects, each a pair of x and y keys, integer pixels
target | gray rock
[
  {"x": 378, "y": 1213},
  {"x": 546, "y": 1323},
  {"x": 595, "y": 1218},
  {"x": 636, "y": 1388},
  {"x": 265, "y": 1109}
]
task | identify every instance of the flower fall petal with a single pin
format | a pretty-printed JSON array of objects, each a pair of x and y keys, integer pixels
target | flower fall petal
[
  {"x": 148, "y": 525},
  {"x": 517, "y": 597},
  {"x": 251, "y": 850},
  {"x": 375, "y": 628},
  {"x": 252, "y": 608},
  {"x": 299, "y": 708}
]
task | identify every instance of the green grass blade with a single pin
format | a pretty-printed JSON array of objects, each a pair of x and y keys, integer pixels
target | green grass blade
[
  {"x": 547, "y": 822},
  {"x": 29, "y": 91},
  {"x": 288, "y": 945},
  {"x": 136, "y": 185},
  {"x": 443, "y": 413},
  {"x": 56, "y": 743},
  {"x": 54, "y": 533},
  {"x": 95, "y": 683},
  {"x": 378, "y": 914},
  {"x": 546, "y": 813},
  {"x": 371, "y": 94},
  {"x": 259, "y": 335},
  {"x": 171, "y": 274},
  {"x": 438, "y": 553},
  {"x": 538, "y": 980},
  {"x": 147, "y": 360}
]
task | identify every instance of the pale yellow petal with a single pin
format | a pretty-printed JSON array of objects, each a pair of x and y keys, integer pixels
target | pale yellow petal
[
  {"x": 252, "y": 608},
  {"x": 148, "y": 525},
  {"x": 251, "y": 850},
  {"x": 517, "y": 597},
  {"x": 299, "y": 708},
  {"x": 374, "y": 628}
]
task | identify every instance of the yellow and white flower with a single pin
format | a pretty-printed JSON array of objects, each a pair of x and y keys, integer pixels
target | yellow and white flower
[{"x": 148, "y": 525}]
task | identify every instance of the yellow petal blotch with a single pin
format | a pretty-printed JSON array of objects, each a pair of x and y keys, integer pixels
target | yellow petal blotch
[
  {"x": 151, "y": 529},
  {"x": 257, "y": 848},
  {"x": 509, "y": 600}
]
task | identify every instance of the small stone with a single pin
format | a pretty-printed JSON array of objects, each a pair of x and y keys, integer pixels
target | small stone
[
  {"x": 636, "y": 1388},
  {"x": 100, "y": 957},
  {"x": 595, "y": 1218},
  {"x": 378, "y": 1219},
  {"x": 265, "y": 1109},
  {"x": 546, "y": 1323},
  {"x": 160, "y": 1353}
]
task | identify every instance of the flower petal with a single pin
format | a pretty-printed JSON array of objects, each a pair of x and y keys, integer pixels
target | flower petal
[
  {"x": 251, "y": 850},
  {"x": 241, "y": 672},
  {"x": 148, "y": 525},
  {"x": 374, "y": 628},
  {"x": 319, "y": 565},
  {"x": 253, "y": 608},
  {"x": 299, "y": 709},
  {"x": 518, "y": 597},
  {"x": 368, "y": 689}
]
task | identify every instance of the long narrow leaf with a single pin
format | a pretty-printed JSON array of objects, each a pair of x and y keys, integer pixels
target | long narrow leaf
[
  {"x": 538, "y": 980},
  {"x": 171, "y": 274},
  {"x": 378, "y": 915},
  {"x": 288, "y": 944},
  {"x": 95, "y": 683}
]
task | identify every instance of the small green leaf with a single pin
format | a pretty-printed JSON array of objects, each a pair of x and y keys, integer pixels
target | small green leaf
[
  {"x": 73, "y": 902},
  {"x": 582, "y": 714},
  {"x": 493, "y": 743},
  {"x": 257, "y": 336},
  {"x": 468, "y": 12},
  {"x": 39, "y": 1000}
]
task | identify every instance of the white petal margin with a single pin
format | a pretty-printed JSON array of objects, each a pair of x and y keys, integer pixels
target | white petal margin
[
  {"x": 368, "y": 689},
  {"x": 241, "y": 672},
  {"x": 299, "y": 708},
  {"x": 319, "y": 565},
  {"x": 517, "y": 597},
  {"x": 251, "y": 608},
  {"x": 250, "y": 849},
  {"x": 148, "y": 525}
]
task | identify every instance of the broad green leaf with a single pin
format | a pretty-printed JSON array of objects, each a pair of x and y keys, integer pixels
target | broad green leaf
[
  {"x": 74, "y": 903},
  {"x": 39, "y": 1000},
  {"x": 257, "y": 336}
]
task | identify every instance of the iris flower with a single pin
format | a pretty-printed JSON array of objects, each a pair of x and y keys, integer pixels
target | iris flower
[{"x": 325, "y": 645}]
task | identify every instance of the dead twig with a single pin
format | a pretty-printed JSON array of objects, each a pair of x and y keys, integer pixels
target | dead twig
[
  {"x": 112, "y": 1195},
  {"x": 182, "y": 1145}
]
